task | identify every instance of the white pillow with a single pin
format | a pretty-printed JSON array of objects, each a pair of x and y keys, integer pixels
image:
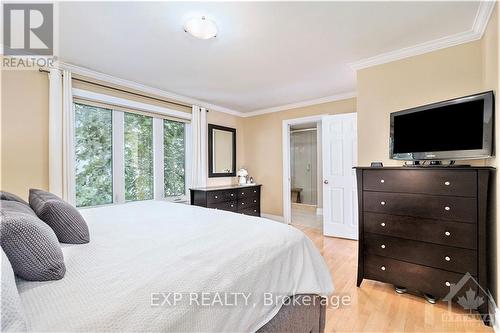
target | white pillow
[{"x": 12, "y": 315}]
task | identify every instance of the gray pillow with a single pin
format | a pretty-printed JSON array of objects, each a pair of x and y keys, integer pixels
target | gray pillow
[
  {"x": 29, "y": 243},
  {"x": 67, "y": 223},
  {"x": 11, "y": 197},
  {"x": 13, "y": 318}
]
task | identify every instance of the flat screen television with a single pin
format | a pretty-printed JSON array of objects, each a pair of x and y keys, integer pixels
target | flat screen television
[{"x": 456, "y": 129}]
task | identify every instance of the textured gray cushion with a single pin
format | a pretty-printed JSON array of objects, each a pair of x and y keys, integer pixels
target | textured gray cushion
[
  {"x": 11, "y": 310},
  {"x": 29, "y": 243},
  {"x": 11, "y": 197},
  {"x": 67, "y": 223}
]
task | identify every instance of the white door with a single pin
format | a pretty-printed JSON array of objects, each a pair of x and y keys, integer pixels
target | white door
[{"x": 340, "y": 199}]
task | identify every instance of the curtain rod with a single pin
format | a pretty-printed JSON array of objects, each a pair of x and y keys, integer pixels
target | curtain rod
[{"x": 125, "y": 91}]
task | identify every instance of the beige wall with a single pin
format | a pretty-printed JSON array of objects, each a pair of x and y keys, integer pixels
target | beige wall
[
  {"x": 263, "y": 148},
  {"x": 24, "y": 137},
  {"x": 491, "y": 75},
  {"x": 402, "y": 84}
]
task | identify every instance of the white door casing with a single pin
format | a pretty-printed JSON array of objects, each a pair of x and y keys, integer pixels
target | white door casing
[
  {"x": 339, "y": 142},
  {"x": 287, "y": 123}
]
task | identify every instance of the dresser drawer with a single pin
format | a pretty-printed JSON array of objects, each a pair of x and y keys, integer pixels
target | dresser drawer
[
  {"x": 427, "y": 230},
  {"x": 248, "y": 202},
  {"x": 438, "y": 256},
  {"x": 437, "y": 182},
  {"x": 253, "y": 211},
  {"x": 221, "y": 196},
  {"x": 231, "y": 206},
  {"x": 251, "y": 191},
  {"x": 419, "y": 205},
  {"x": 416, "y": 277}
]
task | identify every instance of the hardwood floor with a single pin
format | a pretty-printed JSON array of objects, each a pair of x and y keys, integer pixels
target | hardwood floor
[
  {"x": 375, "y": 306},
  {"x": 305, "y": 216}
]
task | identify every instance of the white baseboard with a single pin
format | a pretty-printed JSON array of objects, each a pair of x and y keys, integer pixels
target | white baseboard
[
  {"x": 274, "y": 217},
  {"x": 319, "y": 211}
]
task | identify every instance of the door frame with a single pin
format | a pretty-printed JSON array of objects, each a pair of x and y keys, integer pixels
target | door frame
[{"x": 287, "y": 186}]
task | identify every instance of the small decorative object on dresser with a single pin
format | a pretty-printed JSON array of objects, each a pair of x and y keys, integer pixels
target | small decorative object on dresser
[
  {"x": 242, "y": 176},
  {"x": 423, "y": 229},
  {"x": 243, "y": 199}
]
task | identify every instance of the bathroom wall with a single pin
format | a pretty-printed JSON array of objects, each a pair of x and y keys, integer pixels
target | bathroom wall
[{"x": 304, "y": 168}]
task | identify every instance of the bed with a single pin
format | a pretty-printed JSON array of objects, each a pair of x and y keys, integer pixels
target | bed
[{"x": 142, "y": 255}]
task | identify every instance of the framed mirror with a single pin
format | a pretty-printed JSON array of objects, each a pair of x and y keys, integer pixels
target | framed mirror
[{"x": 221, "y": 151}]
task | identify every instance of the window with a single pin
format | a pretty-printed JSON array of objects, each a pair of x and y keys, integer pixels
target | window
[
  {"x": 138, "y": 157},
  {"x": 93, "y": 156},
  {"x": 125, "y": 156},
  {"x": 174, "y": 150}
]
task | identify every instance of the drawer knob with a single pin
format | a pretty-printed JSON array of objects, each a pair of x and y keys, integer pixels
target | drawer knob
[
  {"x": 382, "y": 246},
  {"x": 216, "y": 197},
  {"x": 382, "y": 181},
  {"x": 447, "y": 283},
  {"x": 447, "y": 258},
  {"x": 255, "y": 201},
  {"x": 447, "y": 208},
  {"x": 242, "y": 203},
  {"x": 254, "y": 191},
  {"x": 242, "y": 193},
  {"x": 382, "y": 268},
  {"x": 232, "y": 205},
  {"x": 232, "y": 194},
  {"x": 447, "y": 233},
  {"x": 382, "y": 203},
  {"x": 382, "y": 224},
  {"x": 447, "y": 183},
  {"x": 255, "y": 210}
]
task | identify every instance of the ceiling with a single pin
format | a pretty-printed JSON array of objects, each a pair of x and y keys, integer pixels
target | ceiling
[{"x": 266, "y": 54}]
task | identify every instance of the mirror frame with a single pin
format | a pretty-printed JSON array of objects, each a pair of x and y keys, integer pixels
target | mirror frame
[{"x": 211, "y": 173}]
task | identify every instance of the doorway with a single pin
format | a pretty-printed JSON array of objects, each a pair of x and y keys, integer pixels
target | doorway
[
  {"x": 334, "y": 207},
  {"x": 304, "y": 170}
]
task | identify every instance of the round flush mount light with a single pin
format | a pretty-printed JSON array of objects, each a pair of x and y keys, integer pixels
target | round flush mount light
[{"x": 201, "y": 28}]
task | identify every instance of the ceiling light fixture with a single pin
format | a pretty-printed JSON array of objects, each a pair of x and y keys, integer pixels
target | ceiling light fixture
[{"x": 201, "y": 28}]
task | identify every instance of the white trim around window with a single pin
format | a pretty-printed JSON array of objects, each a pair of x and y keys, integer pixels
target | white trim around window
[
  {"x": 118, "y": 145},
  {"x": 122, "y": 102}
]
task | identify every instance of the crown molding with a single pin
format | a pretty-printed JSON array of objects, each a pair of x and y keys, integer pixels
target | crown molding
[
  {"x": 476, "y": 32},
  {"x": 321, "y": 100},
  {"x": 483, "y": 16},
  {"x": 78, "y": 70}
]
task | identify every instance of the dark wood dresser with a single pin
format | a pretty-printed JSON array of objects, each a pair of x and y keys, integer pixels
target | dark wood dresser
[
  {"x": 243, "y": 199},
  {"x": 423, "y": 229}
]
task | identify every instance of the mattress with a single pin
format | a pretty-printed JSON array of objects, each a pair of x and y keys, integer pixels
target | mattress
[{"x": 144, "y": 255}]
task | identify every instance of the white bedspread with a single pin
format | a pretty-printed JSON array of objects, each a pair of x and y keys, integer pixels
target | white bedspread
[{"x": 144, "y": 248}]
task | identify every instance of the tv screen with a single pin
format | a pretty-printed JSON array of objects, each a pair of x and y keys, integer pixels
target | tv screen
[{"x": 456, "y": 129}]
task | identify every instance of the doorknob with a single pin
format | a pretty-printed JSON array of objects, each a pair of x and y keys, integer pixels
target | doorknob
[{"x": 325, "y": 181}]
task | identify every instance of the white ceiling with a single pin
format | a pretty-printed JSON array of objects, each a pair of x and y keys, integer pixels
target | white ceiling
[{"x": 265, "y": 55}]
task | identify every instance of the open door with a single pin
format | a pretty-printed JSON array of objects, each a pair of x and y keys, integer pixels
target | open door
[{"x": 340, "y": 199}]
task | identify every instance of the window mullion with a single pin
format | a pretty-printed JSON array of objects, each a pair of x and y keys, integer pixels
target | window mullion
[
  {"x": 118, "y": 157},
  {"x": 158, "y": 157},
  {"x": 188, "y": 146}
]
